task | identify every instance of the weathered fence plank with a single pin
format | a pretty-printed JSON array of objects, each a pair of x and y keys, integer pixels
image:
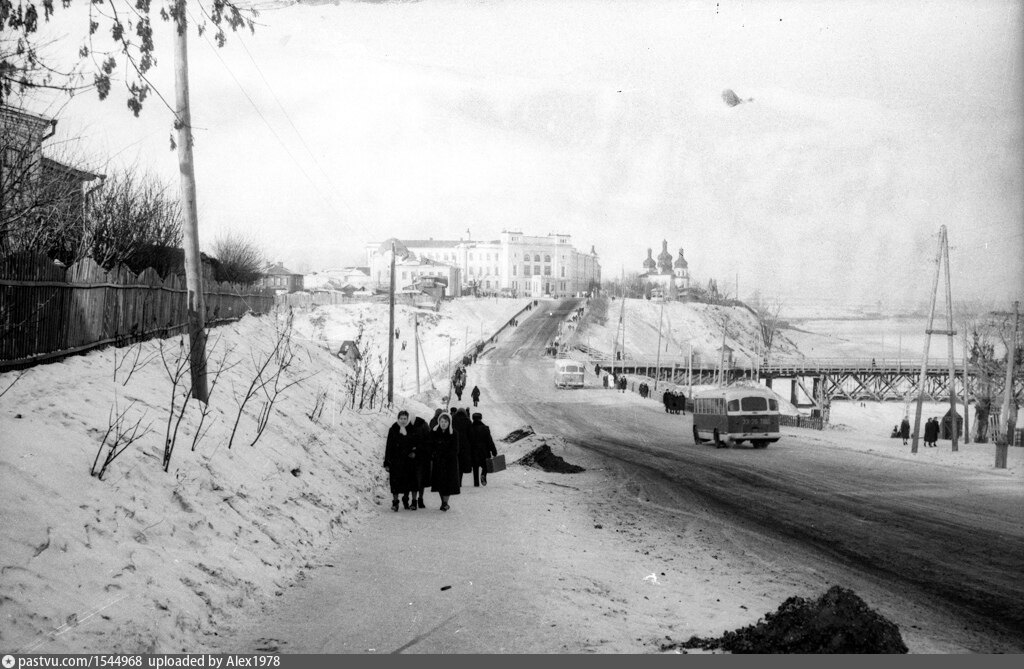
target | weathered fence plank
[{"x": 47, "y": 310}]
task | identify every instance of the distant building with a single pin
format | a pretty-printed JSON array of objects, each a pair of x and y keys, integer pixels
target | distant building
[
  {"x": 665, "y": 276},
  {"x": 337, "y": 279},
  {"x": 516, "y": 264},
  {"x": 280, "y": 278}
]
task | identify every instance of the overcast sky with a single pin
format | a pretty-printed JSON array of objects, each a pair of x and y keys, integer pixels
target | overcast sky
[{"x": 870, "y": 125}]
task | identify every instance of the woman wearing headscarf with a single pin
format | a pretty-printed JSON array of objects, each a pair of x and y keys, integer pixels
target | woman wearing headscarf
[
  {"x": 445, "y": 477},
  {"x": 433, "y": 421},
  {"x": 399, "y": 459}
]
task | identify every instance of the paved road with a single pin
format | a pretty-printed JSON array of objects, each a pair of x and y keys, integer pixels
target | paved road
[{"x": 950, "y": 535}]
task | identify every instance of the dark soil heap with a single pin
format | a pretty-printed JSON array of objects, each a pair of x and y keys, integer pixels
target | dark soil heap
[
  {"x": 516, "y": 435},
  {"x": 543, "y": 457},
  {"x": 837, "y": 622}
]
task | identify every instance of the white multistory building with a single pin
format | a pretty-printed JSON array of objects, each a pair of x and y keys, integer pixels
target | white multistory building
[{"x": 516, "y": 264}]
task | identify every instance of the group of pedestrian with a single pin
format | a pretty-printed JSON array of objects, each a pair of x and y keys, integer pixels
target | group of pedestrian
[
  {"x": 437, "y": 454},
  {"x": 643, "y": 389},
  {"x": 675, "y": 402},
  {"x": 931, "y": 432}
]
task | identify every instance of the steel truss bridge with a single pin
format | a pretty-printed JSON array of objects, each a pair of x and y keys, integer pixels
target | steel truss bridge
[{"x": 812, "y": 380}]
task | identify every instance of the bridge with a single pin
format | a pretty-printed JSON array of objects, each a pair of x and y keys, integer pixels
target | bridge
[{"x": 810, "y": 380}]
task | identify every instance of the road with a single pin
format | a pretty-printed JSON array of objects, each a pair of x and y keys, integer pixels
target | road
[{"x": 935, "y": 533}]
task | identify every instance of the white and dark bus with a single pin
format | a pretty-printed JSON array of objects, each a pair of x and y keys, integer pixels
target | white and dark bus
[
  {"x": 568, "y": 373},
  {"x": 730, "y": 416}
]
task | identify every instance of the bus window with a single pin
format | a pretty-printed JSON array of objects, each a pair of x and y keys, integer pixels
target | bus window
[
  {"x": 734, "y": 405},
  {"x": 773, "y": 405},
  {"x": 755, "y": 404}
]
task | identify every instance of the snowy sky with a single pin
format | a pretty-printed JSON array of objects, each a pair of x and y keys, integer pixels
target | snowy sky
[{"x": 872, "y": 124}]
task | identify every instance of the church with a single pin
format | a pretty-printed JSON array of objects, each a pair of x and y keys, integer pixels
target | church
[{"x": 667, "y": 277}]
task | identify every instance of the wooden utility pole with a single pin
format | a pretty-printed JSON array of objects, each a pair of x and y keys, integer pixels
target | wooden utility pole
[
  {"x": 196, "y": 304},
  {"x": 391, "y": 330},
  {"x": 657, "y": 362},
  {"x": 943, "y": 252},
  {"x": 1008, "y": 412},
  {"x": 416, "y": 348},
  {"x": 967, "y": 396}
]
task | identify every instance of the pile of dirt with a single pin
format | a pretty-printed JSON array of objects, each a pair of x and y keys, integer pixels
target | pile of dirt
[
  {"x": 516, "y": 435},
  {"x": 837, "y": 622},
  {"x": 543, "y": 458}
]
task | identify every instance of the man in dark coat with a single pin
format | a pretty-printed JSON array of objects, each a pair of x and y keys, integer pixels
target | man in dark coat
[
  {"x": 445, "y": 477},
  {"x": 475, "y": 395},
  {"x": 482, "y": 445},
  {"x": 421, "y": 461},
  {"x": 398, "y": 459},
  {"x": 931, "y": 432},
  {"x": 667, "y": 400},
  {"x": 461, "y": 423},
  {"x": 905, "y": 430}
]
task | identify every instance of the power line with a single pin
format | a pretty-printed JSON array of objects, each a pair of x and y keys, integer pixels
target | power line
[{"x": 252, "y": 102}]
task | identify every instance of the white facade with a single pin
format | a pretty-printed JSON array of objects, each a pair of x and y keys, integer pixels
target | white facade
[{"x": 523, "y": 265}]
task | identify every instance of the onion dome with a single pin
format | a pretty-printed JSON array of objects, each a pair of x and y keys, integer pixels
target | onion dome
[
  {"x": 681, "y": 261},
  {"x": 649, "y": 262},
  {"x": 665, "y": 259}
]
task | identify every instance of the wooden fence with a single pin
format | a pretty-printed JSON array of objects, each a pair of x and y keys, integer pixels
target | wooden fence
[{"x": 48, "y": 311}]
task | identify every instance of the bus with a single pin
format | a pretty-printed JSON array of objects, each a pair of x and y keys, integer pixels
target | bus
[
  {"x": 730, "y": 416},
  {"x": 568, "y": 373}
]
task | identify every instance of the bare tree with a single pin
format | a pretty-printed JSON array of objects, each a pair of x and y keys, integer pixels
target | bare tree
[
  {"x": 768, "y": 319},
  {"x": 241, "y": 258}
]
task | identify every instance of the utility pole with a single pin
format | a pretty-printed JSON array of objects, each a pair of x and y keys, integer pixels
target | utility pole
[
  {"x": 943, "y": 252},
  {"x": 657, "y": 362},
  {"x": 391, "y": 330},
  {"x": 416, "y": 348},
  {"x": 1008, "y": 412},
  {"x": 196, "y": 303}
]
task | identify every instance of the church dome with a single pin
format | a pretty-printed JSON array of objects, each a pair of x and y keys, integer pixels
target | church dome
[
  {"x": 649, "y": 261},
  {"x": 665, "y": 258},
  {"x": 681, "y": 261}
]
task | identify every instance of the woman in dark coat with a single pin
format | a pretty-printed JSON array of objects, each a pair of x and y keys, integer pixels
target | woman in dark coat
[
  {"x": 421, "y": 461},
  {"x": 445, "y": 477},
  {"x": 905, "y": 430},
  {"x": 398, "y": 459},
  {"x": 433, "y": 421},
  {"x": 475, "y": 395},
  {"x": 482, "y": 447},
  {"x": 460, "y": 423}
]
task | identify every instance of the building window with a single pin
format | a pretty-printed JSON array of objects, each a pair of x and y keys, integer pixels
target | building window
[
  {"x": 515, "y": 269},
  {"x": 547, "y": 258},
  {"x": 547, "y": 270},
  {"x": 470, "y": 256},
  {"x": 536, "y": 270},
  {"x": 405, "y": 275},
  {"x": 563, "y": 271},
  {"x": 526, "y": 270},
  {"x": 536, "y": 257}
]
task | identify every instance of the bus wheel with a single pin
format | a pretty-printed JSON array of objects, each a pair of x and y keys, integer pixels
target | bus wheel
[
  {"x": 718, "y": 441},
  {"x": 696, "y": 436},
  {"x": 759, "y": 444}
]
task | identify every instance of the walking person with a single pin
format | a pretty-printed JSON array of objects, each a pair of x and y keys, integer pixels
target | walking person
[
  {"x": 398, "y": 459},
  {"x": 445, "y": 477},
  {"x": 475, "y": 395},
  {"x": 421, "y": 461},
  {"x": 905, "y": 429},
  {"x": 482, "y": 445},
  {"x": 461, "y": 424}
]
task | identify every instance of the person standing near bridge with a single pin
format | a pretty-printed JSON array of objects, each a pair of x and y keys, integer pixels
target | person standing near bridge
[{"x": 905, "y": 429}]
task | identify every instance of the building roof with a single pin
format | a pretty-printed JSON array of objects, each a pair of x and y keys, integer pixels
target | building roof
[
  {"x": 74, "y": 172},
  {"x": 278, "y": 269}
]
